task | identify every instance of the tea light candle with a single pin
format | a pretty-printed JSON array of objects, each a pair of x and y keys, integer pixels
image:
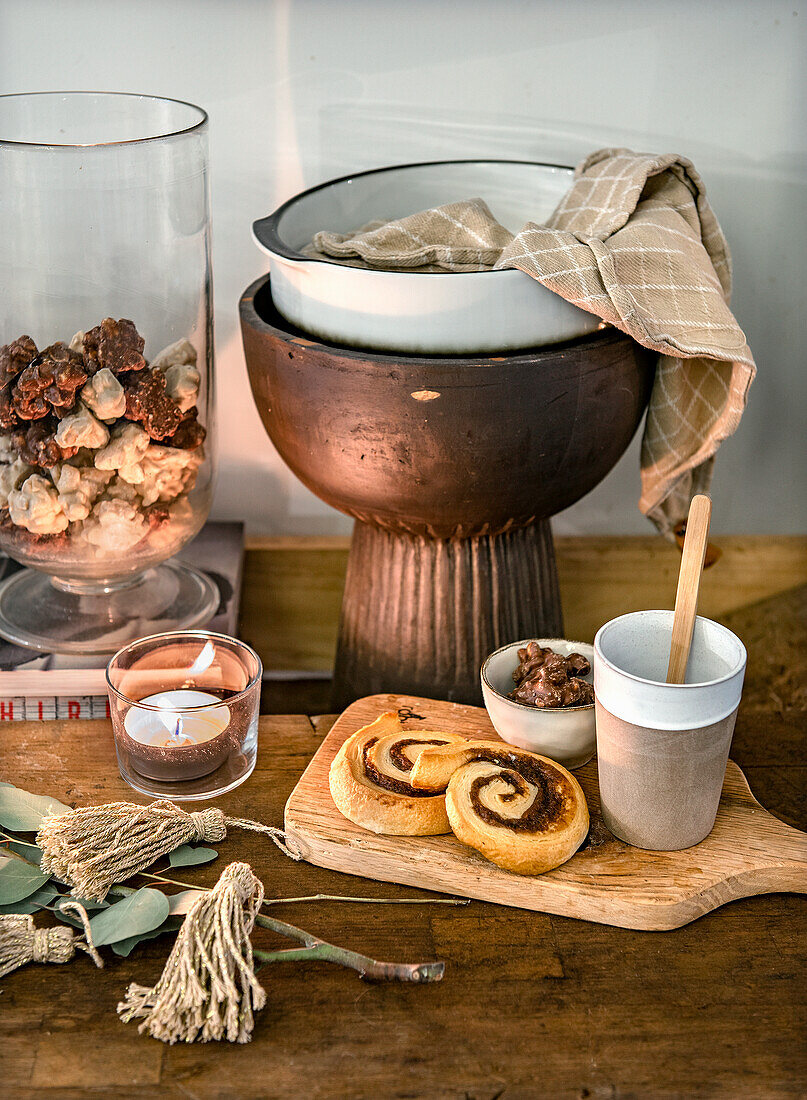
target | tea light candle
[
  {"x": 184, "y": 708},
  {"x": 178, "y": 740}
]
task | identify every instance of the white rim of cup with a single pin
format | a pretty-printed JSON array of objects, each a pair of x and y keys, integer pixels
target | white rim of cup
[
  {"x": 743, "y": 657},
  {"x": 526, "y": 706}
]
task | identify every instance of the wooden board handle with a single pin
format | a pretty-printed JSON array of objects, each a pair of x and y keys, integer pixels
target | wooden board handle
[{"x": 689, "y": 579}]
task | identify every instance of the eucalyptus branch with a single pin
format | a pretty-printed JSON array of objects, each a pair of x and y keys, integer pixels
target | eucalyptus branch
[
  {"x": 317, "y": 949},
  {"x": 367, "y": 968}
]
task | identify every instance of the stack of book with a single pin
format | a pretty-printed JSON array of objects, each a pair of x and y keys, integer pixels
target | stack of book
[{"x": 51, "y": 685}]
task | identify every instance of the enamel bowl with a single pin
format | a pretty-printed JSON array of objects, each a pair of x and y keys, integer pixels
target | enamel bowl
[
  {"x": 451, "y": 313},
  {"x": 565, "y": 734}
]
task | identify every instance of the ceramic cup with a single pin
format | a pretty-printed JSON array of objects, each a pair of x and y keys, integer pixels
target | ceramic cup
[{"x": 662, "y": 748}]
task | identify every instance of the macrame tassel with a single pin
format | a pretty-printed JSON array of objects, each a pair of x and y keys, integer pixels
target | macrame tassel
[
  {"x": 208, "y": 989},
  {"x": 95, "y": 846},
  {"x": 21, "y": 942}
]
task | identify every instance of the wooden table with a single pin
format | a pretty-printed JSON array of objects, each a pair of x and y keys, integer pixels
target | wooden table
[{"x": 531, "y": 1005}]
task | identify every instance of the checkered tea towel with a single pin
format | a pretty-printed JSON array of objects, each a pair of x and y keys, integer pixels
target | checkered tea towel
[{"x": 635, "y": 242}]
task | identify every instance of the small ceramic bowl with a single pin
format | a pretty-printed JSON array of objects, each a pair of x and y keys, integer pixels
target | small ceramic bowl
[{"x": 564, "y": 734}]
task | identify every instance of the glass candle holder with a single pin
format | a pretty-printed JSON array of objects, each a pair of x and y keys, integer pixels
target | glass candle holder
[
  {"x": 106, "y": 366},
  {"x": 184, "y": 708}
]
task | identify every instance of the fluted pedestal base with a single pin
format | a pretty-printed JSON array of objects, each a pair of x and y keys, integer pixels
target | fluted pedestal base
[{"x": 420, "y": 615}]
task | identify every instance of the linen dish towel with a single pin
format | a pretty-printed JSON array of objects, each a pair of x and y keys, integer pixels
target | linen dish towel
[{"x": 635, "y": 242}]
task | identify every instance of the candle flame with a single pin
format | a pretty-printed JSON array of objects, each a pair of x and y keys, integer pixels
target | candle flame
[
  {"x": 173, "y": 723},
  {"x": 204, "y": 660}
]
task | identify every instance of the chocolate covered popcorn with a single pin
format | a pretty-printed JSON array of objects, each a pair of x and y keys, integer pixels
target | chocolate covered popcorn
[
  {"x": 147, "y": 401},
  {"x": 78, "y": 487},
  {"x": 104, "y": 395},
  {"x": 167, "y": 473},
  {"x": 35, "y": 506},
  {"x": 81, "y": 429},
  {"x": 12, "y": 475},
  {"x": 97, "y": 445},
  {"x": 15, "y": 357},
  {"x": 49, "y": 383},
  {"x": 124, "y": 452},
  {"x": 182, "y": 379},
  {"x": 177, "y": 354},
  {"x": 115, "y": 525},
  {"x": 116, "y": 345}
]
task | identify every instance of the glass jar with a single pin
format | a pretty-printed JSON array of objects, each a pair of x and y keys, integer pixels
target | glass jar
[{"x": 106, "y": 366}]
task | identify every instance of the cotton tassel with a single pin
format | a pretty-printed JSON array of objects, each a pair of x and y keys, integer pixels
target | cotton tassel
[
  {"x": 21, "y": 942},
  {"x": 208, "y": 989},
  {"x": 95, "y": 846}
]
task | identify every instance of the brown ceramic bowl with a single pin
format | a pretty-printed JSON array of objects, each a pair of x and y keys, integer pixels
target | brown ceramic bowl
[{"x": 444, "y": 447}]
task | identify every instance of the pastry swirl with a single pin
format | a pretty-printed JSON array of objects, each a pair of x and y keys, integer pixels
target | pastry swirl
[
  {"x": 522, "y": 811},
  {"x": 370, "y": 779}
]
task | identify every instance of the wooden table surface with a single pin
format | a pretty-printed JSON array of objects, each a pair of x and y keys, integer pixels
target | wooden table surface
[{"x": 531, "y": 1005}]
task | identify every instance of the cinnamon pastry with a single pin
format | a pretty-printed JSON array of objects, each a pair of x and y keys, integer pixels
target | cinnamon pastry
[
  {"x": 522, "y": 811},
  {"x": 369, "y": 780}
]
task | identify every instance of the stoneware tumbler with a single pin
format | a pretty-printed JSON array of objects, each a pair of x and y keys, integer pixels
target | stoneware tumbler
[{"x": 662, "y": 748}]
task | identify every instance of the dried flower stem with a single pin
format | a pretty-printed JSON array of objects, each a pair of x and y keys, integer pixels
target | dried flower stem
[
  {"x": 7, "y": 851},
  {"x": 369, "y": 901},
  {"x": 326, "y": 897},
  {"x": 16, "y": 840}
]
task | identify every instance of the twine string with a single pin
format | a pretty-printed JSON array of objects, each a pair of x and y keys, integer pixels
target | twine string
[{"x": 280, "y": 838}]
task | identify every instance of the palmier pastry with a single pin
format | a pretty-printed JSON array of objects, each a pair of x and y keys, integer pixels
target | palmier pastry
[
  {"x": 369, "y": 780},
  {"x": 522, "y": 811}
]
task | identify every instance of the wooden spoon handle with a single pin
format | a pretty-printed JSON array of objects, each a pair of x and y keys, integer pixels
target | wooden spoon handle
[{"x": 689, "y": 580}]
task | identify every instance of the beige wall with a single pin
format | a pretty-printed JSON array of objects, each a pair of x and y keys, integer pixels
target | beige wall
[{"x": 300, "y": 90}]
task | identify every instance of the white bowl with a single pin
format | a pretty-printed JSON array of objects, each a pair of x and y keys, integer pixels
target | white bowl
[
  {"x": 451, "y": 313},
  {"x": 564, "y": 734}
]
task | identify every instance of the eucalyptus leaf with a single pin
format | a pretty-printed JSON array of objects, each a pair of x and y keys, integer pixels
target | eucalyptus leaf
[
  {"x": 19, "y": 880},
  {"x": 24, "y": 812},
  {"x": 185, "y": 856},
  {"x": 141, "y": 912},
  {"x": 125, "y": 947},
  {"x": 179, "y": 904},
  {"x": 38, "y": 900}
]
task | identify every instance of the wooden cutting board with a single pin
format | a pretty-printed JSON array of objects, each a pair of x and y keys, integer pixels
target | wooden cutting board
[{"x": 749, "y": 851}]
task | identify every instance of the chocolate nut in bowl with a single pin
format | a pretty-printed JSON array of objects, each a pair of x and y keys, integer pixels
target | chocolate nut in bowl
[{"x": 563, "y": 733}]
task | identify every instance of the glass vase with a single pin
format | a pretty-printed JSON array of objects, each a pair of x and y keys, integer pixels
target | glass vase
[{"x": 106, "y": 366}]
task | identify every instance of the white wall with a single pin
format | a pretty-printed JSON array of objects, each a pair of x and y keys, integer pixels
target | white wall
[{"x": 300, "y": 90}]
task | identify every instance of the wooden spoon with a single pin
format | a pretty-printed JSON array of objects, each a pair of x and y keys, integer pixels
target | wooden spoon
[{"x": 689, "y": 581}]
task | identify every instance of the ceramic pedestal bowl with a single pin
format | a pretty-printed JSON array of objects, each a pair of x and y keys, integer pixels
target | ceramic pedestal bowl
[{"x": 451, "y": 468}]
